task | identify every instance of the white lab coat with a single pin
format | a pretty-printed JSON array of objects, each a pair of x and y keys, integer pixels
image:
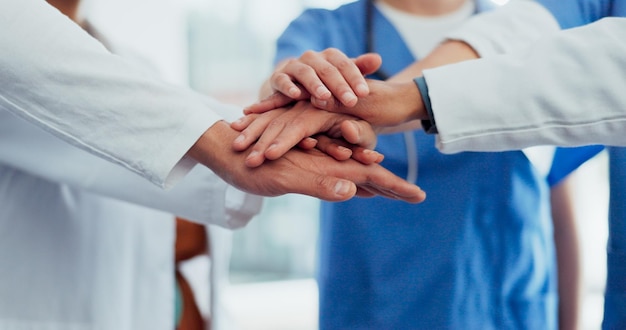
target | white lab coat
[
  {"x": 46, "y": 62},
  {"x": 77, "y": 248},
  {"x": 85, "y": 243},
  {"x": 567, "y": 89}
]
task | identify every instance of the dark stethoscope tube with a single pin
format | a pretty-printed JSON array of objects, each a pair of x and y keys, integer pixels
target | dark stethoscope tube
[
  {"x": 409, "y": 138},
  {"x": 370, "y": 40}
]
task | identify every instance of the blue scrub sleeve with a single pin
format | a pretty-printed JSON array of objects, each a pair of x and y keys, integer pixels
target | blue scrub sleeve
[
  {"x": 429, "y": 124},
  {"x": 567, "y": 160}
]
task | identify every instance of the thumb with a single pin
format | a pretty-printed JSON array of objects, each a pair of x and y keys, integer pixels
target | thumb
[
  {"x": 368, "y": 63},
  {"x": 274, "y": 101},
  {"x": 326, "y": 187}
]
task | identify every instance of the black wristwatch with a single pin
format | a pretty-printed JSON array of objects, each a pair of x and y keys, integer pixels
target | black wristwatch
[{"x": 429, "y": 125}]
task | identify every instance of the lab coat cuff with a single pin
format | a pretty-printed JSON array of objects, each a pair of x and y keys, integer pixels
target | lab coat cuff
[
  {"x": 176, "y": 163},
  {"x": 240, "y": 207},
  {"x": 429, "y": 125}
]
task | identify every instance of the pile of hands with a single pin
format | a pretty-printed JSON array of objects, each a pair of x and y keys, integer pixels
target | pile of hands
[{"x": 322, "y": 104}]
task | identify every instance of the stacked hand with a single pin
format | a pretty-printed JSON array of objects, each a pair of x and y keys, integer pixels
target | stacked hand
[
  {"x": 310, "y": 172},
  {"x": 322, "y": 104}
]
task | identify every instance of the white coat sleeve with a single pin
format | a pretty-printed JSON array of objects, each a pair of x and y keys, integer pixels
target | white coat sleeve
[
  {"x": 509, "y": 28},
  {"x": 568, "y": 89},
  {"x": 201, "y": 196},
  {"x": 56, "y": 76}
]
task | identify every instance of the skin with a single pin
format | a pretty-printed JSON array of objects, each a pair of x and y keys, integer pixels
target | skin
[
  {"x": 403, "y": 110},
  {"x": 321, "y": 75},
  {"x": 398, "y": 97},
  {"x": 308, "y": 172},
  {"x": 71, "y": 8},
  {"x": 280, "y": 121},
  {"x": 568, "y": 254}
]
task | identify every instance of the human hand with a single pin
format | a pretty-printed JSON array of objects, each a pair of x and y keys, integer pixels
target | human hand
[
  {"x": 308, "y": 172},
  {"x": 275, "y": 132},
  {"x": 388, "y": 104},
  {"x": 321, "y": 75}
]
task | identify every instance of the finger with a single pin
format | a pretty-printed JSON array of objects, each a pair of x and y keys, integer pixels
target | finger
[
  {"x": 274, "y": 101},
  {"x": 330, "y": 68},
  {"x": 331, "y": 104},
  {"x": 333, "y": 147},
  {"x": 300, "y": 125},
  {"x": 352, "y": 75},
  {"x": 254, "y": 129},
  {"x": 387, "y": 184},
  {"x": 281, "y": 82},
  {"x": 265, "y": 144},
  {"x": 364, "y": 193},
  {"x": 382, "y": 182},
  {"x": 341, "y": 150},
  {"x": 307, "y": 143},
  {"x": 367, "y": 156},
  {"x": 322, "y": 186},
  {"x": 368, "y": 63},
  {"x": 243, "y": 122},
  {"x": 305, "y": 71},
  {"x": 359, "y": 132},
  {"x": 331, "y": 189},
  {"x": 373, "y": 178}
]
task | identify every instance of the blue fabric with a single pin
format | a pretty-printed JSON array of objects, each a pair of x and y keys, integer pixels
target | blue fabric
[
  {"x": 615, "y": 294},
  {"x": 573, "y": 13},
  {"x": 477, "y": 254},
  {"x": 178, "y": 304},
  {"x": 568, "y": 160}
]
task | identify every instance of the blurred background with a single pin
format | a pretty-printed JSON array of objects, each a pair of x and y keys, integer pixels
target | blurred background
[{"x": 225, "y": 49}]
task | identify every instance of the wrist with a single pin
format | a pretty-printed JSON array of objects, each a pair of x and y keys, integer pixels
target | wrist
[
  {"x": 412, "y": 102},
  {"x": 427, "y": 116},
  {"x": 213, "y": 149}
]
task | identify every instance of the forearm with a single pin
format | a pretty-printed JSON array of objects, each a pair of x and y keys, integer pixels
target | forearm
[
  {"x": 451, "y": 51},
  {"x": 567, "y": 252},
  {"x": 199, "y": 196},
  {"x": 561, "y": 92},
  {"x": 509, "y": 28},
  {"x": 60, "y": 79}
]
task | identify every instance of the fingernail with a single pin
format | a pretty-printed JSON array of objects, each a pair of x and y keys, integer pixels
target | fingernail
[
  {"x": 342, "y": 188},
  {"x": 239, "y": 139},
  {"x": 272, "y": 146},
  {"x": 293, "y": 91},
  {"x": 322, "y": 91},
  {"x": 348, "y": 97},
  {"x": 252, "y": 154},
  {"x": 362, "y": 89},
  {"x": 319, "y": 103}
]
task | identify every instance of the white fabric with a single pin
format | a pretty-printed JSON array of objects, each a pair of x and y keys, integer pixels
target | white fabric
[
  {"x": 423, "y": 33},
  {"x": 44, "y": 64},
  {"x": 85, "y": 243},
  {"x": 568, "y": 89},
  {"x": 510, "y": 28}
]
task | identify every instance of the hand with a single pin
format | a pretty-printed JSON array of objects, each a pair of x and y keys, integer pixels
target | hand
[
  {"x": 279, "y": 130},
  {"x": 388, "y": 104},
  {"x": 321, "y": 75},
  {"x": 308, "y": 172}
]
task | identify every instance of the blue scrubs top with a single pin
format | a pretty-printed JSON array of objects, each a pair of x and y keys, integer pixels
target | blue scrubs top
[
  {"x": 477, "y": 254},
  {"x": 572, "y": 13}
]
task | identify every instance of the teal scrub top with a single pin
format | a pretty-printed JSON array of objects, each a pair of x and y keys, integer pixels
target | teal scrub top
[
  {"x": 477, "y": 254},
  {"x": 573, "y": 13}
]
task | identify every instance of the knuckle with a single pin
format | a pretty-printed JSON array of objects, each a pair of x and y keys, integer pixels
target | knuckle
[
  {"x": 307, "y": 55},
  {"x": 303, "y": 70},
  {"x": 326, "y": 71}
]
